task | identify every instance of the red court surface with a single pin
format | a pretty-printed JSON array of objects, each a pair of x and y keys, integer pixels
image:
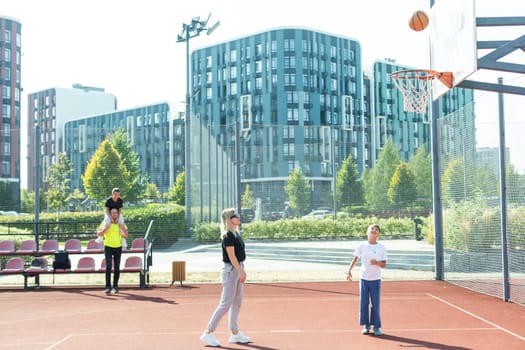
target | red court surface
[{"x": 321, "y": 315}]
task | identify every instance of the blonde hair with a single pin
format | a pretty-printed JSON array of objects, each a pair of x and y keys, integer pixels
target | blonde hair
[{"x": 226, "y": 224}]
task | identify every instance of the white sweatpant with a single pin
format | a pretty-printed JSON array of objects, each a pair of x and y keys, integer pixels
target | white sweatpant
[{"x": 231, "y": 299}]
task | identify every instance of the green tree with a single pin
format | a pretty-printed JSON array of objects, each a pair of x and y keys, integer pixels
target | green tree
[
  {"x": 130, "y": 159},
  {"x": 152, "y": 192},
  {"x": 59, "y": 183},
  {"x": 349, "y": 189},
  {"x": 421, "y": 166},
  {"x": 105, "y": 171},
  {"x": 247, "y": 197},
  {"x": 377, "y": 180},
  {"x": 515, "y": 185},
  {"x": 402, "y": 191},
  {"x": 177, "y": 192},
  {"x": 486, "y": 182},
  {"x": 453, "y": 184},
  {"x": 298, "y": 190},
  {"x": 28, "y": 200},
  {"x": 76, "y": 199}
]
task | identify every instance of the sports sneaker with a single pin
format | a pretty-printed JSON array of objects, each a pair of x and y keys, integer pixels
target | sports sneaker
[
  {"x": 209, "y": 339},
  {"x": 377, "y": 331},
  {"x": 239, "y": 338},
  {"x": 365, "y": 330},
  {"x": 107, "y": 290},
  {"x": 114, "y": 290}
]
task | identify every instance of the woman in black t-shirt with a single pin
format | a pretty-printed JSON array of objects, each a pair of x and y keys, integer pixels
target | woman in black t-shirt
[{"x": 233, "y": 278}]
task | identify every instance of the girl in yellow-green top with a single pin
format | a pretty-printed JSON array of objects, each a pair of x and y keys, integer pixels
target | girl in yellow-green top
[{"x": 112, "y": 235}]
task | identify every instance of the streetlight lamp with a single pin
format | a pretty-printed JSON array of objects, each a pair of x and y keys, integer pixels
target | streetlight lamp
[{"x": 191, "y": 30}]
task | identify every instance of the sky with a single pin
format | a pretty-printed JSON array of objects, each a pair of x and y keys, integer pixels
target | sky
[{"x": 129, "y": 48}]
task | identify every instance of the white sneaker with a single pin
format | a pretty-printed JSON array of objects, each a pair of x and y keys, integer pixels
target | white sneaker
[
  {"x": 239, "y": 338},
  {"x": 209, "y": 339}
]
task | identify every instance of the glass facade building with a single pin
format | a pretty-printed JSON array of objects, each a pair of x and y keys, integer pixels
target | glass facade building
[{"x": 10, "y": 83}]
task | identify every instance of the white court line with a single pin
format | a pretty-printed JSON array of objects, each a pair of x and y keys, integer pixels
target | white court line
[{"x": 478, "y": 317}]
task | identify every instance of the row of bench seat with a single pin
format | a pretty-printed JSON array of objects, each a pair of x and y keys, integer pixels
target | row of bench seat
[
  {"x": 18, "y": 263},
  {"x": 73, "y": 246},
  {"x": 16, "y": 266}
]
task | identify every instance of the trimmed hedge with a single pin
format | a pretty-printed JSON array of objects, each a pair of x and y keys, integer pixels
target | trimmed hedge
[
  {"x": 168, "y": 223},
  {"x": 343, "y": 228}
]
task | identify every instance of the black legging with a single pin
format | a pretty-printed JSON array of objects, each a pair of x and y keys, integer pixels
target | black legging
[{"x": 112, "y": 255}]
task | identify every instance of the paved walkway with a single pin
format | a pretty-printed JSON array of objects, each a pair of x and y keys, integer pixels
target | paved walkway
[{"x": 199, "y": 260}]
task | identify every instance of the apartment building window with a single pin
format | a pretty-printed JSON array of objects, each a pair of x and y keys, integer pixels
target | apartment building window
[
  {"x": 7, "y": 36},
  {"x": 233, "y": 72},
  {"x": 289, "y": 79},
  {"x": 274, "y": 46},
  {"x": 5, "y": 167},
  {"x": 289, "y": 62},
  {"x": 258, "y": 66},
  {"x": 289, "y": 44},
  {"x": 289, "y": 132},
  {"x": 209, "y": 78},
  {"x": 208, "y": 61},
  {"x": 208, "y": 93},
  {"x": 82, "y": 138},
  {"x": 293, "y": 114},
  {"x": 289, "y": 149},
  {"x": 7, "y": 130},
  {"x": 7, "y": 111},
  {"x": 258, "y": 49},
  {"x": 258, "y": 83},
  {"x": 7, "y": 54},
  {"x": 130, "y": 129},
  {"x": 7, "y": 73},
  {"x": 333, "y": 51},
  {"x": 307, "y": 115},
  {"x": 306, "y": 81},
  {"x": 7, "y": 148},
  {"x": 291, "y": 166},
  {"x": 291, "y": 97},
  {"x": 233, "y": 55},
  {"x": 248, "y": 68},
  {"x": 333, "y": 84},
  {"x": 7, "y": 92},
  {"x": 233, "y": 89}
]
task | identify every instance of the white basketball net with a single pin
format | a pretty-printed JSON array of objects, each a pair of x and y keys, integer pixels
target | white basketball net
[{"x": 415, "y": 85}]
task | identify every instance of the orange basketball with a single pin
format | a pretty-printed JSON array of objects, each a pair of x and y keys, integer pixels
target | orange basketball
[{"x": 418, "y": 21}]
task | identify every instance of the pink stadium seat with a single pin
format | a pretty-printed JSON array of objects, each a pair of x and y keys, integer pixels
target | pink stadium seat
[
  {"x": 138, "y": 245},
  {"x": 7, "y": 247},
  {"x": 73, "y": 246},
  {"x": 50, "y": 246},
  {"x": 85, "y": 264},
  {"x": 94, "y": 247},
  {"x": 132, "y": 264},
  {"x": 14, "y": 265},
  {"x": 27, "y": 247}
]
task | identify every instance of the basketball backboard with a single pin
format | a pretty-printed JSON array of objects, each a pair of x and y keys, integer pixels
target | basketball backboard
[{"x": 453, "y": 45}]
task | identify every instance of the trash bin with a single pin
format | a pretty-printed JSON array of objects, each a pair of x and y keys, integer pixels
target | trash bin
[
  {"x": 417, "y": 229},
  {"x": 178, "y": 271}
]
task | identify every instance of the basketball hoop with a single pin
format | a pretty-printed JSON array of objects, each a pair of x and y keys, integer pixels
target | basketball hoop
[{"x": 416, "y": 85}]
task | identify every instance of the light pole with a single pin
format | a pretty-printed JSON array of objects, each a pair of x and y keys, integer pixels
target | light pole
[
  {"x": 37, "y": 182},
  {"x": 191, "y": 30}
]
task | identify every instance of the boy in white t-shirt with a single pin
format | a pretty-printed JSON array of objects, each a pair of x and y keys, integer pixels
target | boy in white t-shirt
[{"x": 373, "y": 258}]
